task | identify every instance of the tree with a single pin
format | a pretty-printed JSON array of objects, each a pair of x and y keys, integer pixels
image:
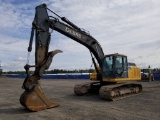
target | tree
[{"x": 1, "y": 71}]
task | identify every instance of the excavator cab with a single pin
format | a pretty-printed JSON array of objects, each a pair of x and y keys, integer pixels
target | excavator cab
[{"x": 115, "y": 66}]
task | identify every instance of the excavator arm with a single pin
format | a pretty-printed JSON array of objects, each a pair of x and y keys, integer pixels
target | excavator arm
[
  {"x": 41, "y": 27},
  {"x": 33, "y": 98}
]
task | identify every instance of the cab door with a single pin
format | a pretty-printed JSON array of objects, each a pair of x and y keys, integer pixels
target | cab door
[{"x": 121, "y": 67}]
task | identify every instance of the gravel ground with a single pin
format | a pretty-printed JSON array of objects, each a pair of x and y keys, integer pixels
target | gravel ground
[{"x": 145, "y": 106}]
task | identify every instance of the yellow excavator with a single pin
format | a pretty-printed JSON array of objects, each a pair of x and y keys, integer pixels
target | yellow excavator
[{"x": 109, "y": 78}]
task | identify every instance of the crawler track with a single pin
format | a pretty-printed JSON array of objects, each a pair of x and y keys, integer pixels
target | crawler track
[
  {"x": 110, "y": 92},
  {"x": 119, "y": 91},
  {"x": 82, "y": 89}
]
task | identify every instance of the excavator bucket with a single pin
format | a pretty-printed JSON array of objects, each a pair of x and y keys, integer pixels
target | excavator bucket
[
  {"x": 33, "y": 98},
  {"x": 36, "y": 100}
]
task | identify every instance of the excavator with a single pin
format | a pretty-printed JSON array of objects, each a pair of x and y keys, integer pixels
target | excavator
[
  {"x": 147, "y": 74},
  {"x": 111, "y": 75}
]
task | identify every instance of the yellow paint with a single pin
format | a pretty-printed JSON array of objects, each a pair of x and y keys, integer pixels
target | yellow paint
[
  {"x": 93, "y": 76},
  {"x": 134, "y": 74}
]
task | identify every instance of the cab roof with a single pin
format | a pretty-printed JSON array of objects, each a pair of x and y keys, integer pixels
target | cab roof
[{"x": 115, "y": 54}]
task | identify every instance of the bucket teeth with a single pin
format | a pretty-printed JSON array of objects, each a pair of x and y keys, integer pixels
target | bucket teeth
[{"x": 36, "y": 100}]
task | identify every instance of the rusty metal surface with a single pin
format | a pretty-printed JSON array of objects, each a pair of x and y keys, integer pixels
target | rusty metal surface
[
  {"x": 33, "y": 98},
  {"x": 82, "y": 89},
  {"x": 36, "y": 100},
  {"x": 47, "y": 61},
  {"x": 119, "y": 91}
]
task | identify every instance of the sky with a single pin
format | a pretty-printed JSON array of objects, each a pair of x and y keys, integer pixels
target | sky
[{"x": 130, "y": 27}]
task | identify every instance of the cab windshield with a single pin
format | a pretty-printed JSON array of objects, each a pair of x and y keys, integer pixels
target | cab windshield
[{"x": 115, "y": 66}]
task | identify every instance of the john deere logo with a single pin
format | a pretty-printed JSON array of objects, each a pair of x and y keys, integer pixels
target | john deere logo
[{"x": 73, "y": 32}]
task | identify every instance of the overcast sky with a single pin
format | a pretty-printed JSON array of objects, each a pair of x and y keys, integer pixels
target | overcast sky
[{"x": 130, "y": 27}]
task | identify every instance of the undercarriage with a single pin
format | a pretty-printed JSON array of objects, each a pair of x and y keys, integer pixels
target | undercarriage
[{"x": 112, "y": 92}]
